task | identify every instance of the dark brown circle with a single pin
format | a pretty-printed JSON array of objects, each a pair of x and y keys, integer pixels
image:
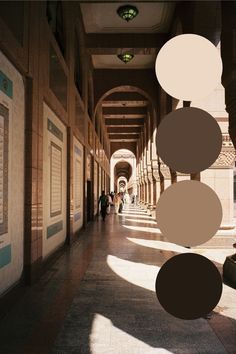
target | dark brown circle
[
  {"x": 188, "y": 286},
  {"x": 189, "y": 140}
]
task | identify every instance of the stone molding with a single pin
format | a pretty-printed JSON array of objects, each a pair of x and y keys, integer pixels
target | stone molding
[
  {"x": 156, "y": 175},
  {"x": 226, "y": 157},
  {"x": 150, "y": 177}
]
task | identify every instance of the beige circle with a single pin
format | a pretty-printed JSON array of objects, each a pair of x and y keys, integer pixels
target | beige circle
[
  {"x": 188, "y": 67},
  {"x": 189, "y": 213}
]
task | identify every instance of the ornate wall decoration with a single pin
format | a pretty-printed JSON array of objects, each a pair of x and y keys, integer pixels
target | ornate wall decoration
[
  {"x": 226, "y": 158},
  {"x": 89, "y": 166},
  {"x": 4, "y": 127},
  {"x": 6, "y": 85},
  {"x": 78, "y": 183},
  {"x": 78, "y": 177},
  {"x": 55, "y": 130},
  {"x": 55, "y": 180}
]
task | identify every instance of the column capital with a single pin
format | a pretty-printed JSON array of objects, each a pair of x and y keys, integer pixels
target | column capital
[{"x": 227, "y": 155}]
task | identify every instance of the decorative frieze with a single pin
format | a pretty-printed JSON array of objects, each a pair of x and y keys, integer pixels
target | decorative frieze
[
  {"x": 182, "y": 174},
  {"x": 225, "y": 160},
  {"x": 227, "y": 155},
  {"x": 164, "y": 169},
  {"x": 165, "y": 172}
]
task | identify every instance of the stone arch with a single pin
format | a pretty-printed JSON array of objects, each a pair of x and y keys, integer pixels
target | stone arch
[
  {"x": 124, "y": 145},
  {"x": 123, "y": 88},
  {"x": 123, "y": 168},
  {"x": 127, "y": 159}
]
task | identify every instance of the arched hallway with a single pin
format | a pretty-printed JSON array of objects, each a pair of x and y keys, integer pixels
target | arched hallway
[
  {"x": 113, "y": 308},
  {"x": 81, "y": 104}
]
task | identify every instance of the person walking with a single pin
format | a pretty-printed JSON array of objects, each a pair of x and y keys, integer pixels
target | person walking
[
  {"x": 104, "y": 204},
  {"x": 121, "y": 202},
  {"x": 109, "y": 203},
  {"x": 116, "y": 201}
]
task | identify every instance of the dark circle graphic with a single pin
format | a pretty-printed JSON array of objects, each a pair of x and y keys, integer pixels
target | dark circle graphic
[
  {"x": 188, "y": 286},
  {"x": 189, "y": 213},
  {"x": 189, "y": 140}
]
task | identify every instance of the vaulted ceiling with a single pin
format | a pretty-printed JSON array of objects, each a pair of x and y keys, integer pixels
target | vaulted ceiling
[{"x": 107, "y": 35}]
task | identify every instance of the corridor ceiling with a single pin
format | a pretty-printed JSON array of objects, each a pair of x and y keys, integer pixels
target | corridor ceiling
[
  {"x": 127, "y": 91},
  {"x": 107, "y": 35}
]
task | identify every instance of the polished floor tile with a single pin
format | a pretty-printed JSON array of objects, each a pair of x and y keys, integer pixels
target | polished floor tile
[{"x": 112, "y": 307}]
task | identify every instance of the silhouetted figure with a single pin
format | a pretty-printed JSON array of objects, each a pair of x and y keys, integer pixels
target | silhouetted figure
[{"x": 104, "y": 204}]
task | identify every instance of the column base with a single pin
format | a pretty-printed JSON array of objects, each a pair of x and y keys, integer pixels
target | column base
[{"x": 229, "y": 270}]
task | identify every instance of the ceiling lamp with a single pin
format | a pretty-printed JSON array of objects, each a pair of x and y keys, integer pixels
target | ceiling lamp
[
  {"x": 127, "y": 12},
  {"x": 125, "y": 57}
]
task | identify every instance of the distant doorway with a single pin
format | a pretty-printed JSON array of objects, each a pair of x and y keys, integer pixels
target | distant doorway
[{"x": 89, "y": 200}]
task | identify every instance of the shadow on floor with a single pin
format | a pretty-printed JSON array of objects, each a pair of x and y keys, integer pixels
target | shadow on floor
[{"x": 105, "y": 312}]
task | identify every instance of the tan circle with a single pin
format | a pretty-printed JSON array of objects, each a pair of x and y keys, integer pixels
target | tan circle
[
  {"x": 189, "y": 213},
  {"x": 183, "y": 141},
  {"x": 189, "y": 67}
]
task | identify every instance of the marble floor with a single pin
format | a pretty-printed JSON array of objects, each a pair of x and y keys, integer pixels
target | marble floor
[{"x": 98, "y": 297}]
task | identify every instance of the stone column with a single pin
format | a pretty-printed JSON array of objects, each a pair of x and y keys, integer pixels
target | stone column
[
  {"x": 166, "y": 174},
  {"x": 156, "y": 187},
  {"x": 173, "y": 176},
  {"x": 156, "y": 177},
  {"x": 146, "y": 184},
  {"x": 220, "y": 178},
  {"x": 150, "y": 187},
  {"x": 228, "y": 54}
]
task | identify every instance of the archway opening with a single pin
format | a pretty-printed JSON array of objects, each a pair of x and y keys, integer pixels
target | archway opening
[{"x": 123, "y": 171}]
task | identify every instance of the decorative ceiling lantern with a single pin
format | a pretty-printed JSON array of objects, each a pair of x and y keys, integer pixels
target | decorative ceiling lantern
[
  {"x": 125, "y": 57},
  {"x": 127, "y": 12}
]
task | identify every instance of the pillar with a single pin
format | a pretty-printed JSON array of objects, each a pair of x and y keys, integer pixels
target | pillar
[
  {"x": 164, "y": 169},
  {"x": 228, "y": 54},
  {"x": 220, "y": 177}
]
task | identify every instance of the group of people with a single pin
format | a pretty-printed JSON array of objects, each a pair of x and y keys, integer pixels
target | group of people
[{"x": 108, "y": 200}]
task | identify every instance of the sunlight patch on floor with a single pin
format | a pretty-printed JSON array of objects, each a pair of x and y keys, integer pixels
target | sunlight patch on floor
[
  {"x": 143, "y": 229},
  {"x": 105, "y": 336},
  {"x": 134, "y": 212},
  {"x": 135, "y": 216},
  {"x": 152, "y": 222},
  {"x": 140, "y": 274},
  {"x": 159, "y": 245},
  {"x": 216, "y": 255}
]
